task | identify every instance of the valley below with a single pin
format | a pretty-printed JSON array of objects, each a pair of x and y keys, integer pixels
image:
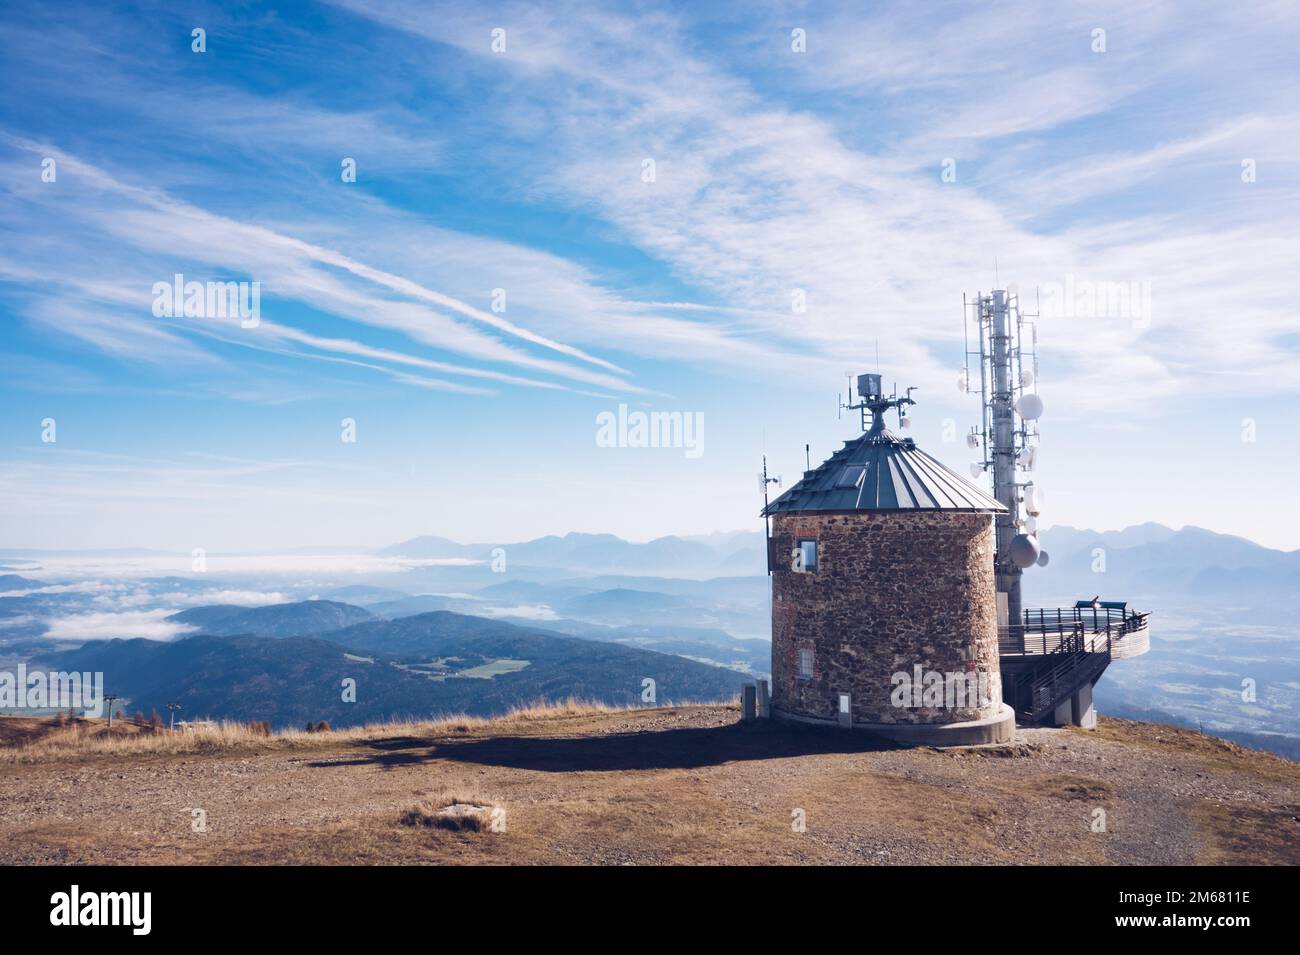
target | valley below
[{"x": 430, "y": 626}]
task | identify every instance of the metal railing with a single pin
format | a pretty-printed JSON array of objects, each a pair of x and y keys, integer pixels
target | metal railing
[{"x": 1045, "y": 631}]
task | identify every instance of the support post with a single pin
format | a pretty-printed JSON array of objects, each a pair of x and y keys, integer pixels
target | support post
[
  {"x": 1082, "y": 712},
  {"x": 1064, "y": 713},
  {"x": 748, "y": 702}
]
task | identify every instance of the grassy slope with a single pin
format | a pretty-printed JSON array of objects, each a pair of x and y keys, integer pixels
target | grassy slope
[{"x": 684, "y": 785}]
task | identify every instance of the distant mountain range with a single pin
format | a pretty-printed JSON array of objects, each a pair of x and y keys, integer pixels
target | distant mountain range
[
  {"x": 1151, "y": 562},
  {"x": 388, "y": 628},
  {"x": 1143, "y": 560},
  {"x": 1224, "y": 612},
  {"x": 1223, "y": 617},
  {"x": 753, "y": 657},
  {"x": 435, "y": 663},
  {"x": 12, "y": 582},
  {"x": 1160, "y": 557},
  {"x": 702, "y": 556},
  {"x": 277, "y": 620}
]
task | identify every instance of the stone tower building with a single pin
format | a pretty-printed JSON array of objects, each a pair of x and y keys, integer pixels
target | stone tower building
[{"x": 884, "y": 614}]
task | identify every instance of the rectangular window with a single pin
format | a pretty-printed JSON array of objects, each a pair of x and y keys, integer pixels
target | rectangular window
[
  {"x": 807, "y": 556},
  {"x": 805, "y": 664},
  {"x": 851, "y": 476}
]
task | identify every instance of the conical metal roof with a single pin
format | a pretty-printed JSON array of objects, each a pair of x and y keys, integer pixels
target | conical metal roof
[{"x": 880, "y": 471}]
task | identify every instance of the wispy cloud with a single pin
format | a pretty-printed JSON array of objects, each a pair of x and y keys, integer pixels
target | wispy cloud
[
  {"x": 780, "y": 178},
  {"x": 287, "y": 266},
  {"x": 753, "y": 200}
]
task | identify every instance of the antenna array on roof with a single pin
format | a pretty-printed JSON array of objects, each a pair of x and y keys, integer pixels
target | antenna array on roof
[{"x": 872, "y": 400}]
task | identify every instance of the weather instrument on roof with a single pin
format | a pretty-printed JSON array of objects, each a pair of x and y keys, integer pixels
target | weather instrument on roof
[
  {"x": 880, "y": 470},
  {"x": 1004, "y": 359}
]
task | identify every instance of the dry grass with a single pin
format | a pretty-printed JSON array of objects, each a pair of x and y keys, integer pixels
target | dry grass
[
  {"x": 548, "y": 710},
  {"x": 1238, "y": 833},
  {"x": 22, "y": 730},
  {"x": 1215, "y": 755},
  {"x": 644, "y": 786},
  {"x": 1066, "y": 786},
  {"x": 87, "y": 737},
  {"x": 454, "y": 811}
]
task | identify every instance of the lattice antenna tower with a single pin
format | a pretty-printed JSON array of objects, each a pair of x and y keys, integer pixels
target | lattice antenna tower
[{"x": 1004, "y": 353}]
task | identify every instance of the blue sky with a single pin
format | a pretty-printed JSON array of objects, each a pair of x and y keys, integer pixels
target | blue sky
[{"x": 522, "y": 170}]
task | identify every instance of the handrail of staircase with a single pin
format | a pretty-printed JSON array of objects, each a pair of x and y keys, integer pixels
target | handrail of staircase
[{"x": 1080, "y": 663}]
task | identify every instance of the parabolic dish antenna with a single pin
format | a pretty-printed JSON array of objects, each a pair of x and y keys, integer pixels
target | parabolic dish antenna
[
  {"x": 1024, "y": 550},
  {"x": 1042, "y": 559},
  {"x": 1029, "y": 407}
]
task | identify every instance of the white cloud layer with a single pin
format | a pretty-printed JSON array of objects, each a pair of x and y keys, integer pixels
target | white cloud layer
[{"x": 149, "y": 624}]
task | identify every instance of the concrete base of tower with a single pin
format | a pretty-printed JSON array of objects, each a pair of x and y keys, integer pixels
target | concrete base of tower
[{"x": 998, "y": 728}]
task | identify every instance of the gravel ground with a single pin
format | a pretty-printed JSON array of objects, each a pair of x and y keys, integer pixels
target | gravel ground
[{"x": 683, "y": 785}]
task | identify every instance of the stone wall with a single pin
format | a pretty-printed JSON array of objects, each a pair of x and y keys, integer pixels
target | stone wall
[{"x": 893, "y": 591}]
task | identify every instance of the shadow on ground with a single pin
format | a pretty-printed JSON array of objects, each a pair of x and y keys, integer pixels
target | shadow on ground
[{"x": 686, "y": 748}]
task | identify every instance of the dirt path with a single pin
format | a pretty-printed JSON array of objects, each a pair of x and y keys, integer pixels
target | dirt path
[{"x": 668, "y": 786}]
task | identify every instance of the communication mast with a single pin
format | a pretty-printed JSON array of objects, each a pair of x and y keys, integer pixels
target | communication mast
[
  {"x": 1007, "y": 363},
  {"x": 763, "y": 482}
]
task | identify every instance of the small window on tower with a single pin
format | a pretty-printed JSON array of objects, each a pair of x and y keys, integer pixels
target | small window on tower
[
  {"x": 806, "y": 561},
  {"x": 805, "y": 664}
]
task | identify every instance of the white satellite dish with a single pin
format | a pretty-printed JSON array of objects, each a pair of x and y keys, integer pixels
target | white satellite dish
[
  {"x": 972, "y": 441},
  {"x": 1042, "y": 559},
  {"x": 1026, "y": 378},
  {"x": 907, "y": 422},
  {"x": 1030, "y": 407},
  {"x": 1031, "y": 525},
  {"x": 976, "y": 469},
  {"x": 1024, "y": 550},
  {"x": 1029, "y": 459}
]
